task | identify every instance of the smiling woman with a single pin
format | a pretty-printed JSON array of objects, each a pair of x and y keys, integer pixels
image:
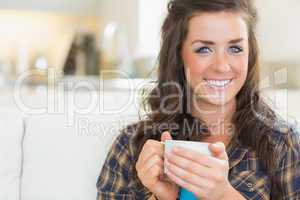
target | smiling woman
[{"x": 207, "y": 90}]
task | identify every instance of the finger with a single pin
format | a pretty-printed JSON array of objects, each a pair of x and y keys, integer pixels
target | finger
[
  {"x": 158, "y": 172},
  {"x": 151, "y": 148},
  {"x": 154, "y": 161},
  {"x": 165, "y": 136},
  {"x": 184, "y": 184},
  {"x": 197, "y": 157},
  {"x": 187, "y": 176},
  {"x": 154, "y": 172},
  {"x": 151, "y": 175},
  {"x": 218, "y": 150},
  {"x": 189, "y": 165}
]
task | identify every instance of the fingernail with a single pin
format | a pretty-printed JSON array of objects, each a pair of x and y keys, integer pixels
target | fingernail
[{"x": 215, "y": 145}]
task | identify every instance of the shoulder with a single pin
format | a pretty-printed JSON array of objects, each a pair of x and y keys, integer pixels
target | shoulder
[
  {"x": 126, "y": 141},
  {"x": 286, "y": 135},
  {"x": 118, "y": 179},
  {"x": 286, "y": 140},
  {"x": 125, "y": 137},
  {"x": 287, "y": 170}
]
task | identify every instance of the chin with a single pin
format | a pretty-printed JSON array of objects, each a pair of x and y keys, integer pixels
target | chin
[{"x": 217, "y": 101}]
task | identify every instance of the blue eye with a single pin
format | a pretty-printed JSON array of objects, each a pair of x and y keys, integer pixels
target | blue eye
[
  {"x": 203, "y": 50},
  {"x": 235, "y": 49}
]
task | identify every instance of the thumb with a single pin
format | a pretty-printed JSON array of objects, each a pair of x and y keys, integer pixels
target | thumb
[
  {"x": 218, "y": 150},
  {"x": 165, "y": 136}
]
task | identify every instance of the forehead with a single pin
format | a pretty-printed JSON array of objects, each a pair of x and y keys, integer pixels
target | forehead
[{"x": 217, "y": 26}]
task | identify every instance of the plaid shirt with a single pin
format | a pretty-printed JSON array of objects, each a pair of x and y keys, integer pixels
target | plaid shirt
[{"x": 117, "y": 180}]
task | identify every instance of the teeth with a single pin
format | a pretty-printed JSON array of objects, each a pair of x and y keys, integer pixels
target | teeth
[{"x": 218, "y": 83}]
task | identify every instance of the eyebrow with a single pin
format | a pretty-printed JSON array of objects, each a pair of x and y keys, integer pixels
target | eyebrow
[{"x": 207, "y": 42}]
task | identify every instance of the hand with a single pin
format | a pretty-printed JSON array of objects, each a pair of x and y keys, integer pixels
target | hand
[
  {"x": 150, "y": 169},
  {"x": 205, "y": 176}
]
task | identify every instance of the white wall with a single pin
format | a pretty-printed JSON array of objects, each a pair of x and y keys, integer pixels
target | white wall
[
  {"x": 279, "y": 30},
  {"x": 151, "y": 15}
]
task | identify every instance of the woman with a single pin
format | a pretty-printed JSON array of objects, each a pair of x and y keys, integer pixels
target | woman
[{"x": 207, "y": 90}]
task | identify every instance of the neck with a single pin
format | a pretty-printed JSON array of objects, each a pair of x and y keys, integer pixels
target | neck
[{"x": 218, "y": 118}]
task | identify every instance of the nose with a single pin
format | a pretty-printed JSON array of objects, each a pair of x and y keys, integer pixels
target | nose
[{"x": 221, "y": 63}]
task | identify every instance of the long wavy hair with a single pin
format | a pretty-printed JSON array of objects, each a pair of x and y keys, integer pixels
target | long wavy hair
[{"x": 167, "y": 104}]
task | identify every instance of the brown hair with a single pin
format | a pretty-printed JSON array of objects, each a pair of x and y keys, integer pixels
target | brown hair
[{"x": 253, "y": 120}]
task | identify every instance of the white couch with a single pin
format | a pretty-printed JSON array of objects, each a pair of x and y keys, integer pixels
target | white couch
[{"x": 59, "y": 155}]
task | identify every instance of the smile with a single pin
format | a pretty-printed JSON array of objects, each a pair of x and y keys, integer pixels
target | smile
[{"x": 218, "y": 83}]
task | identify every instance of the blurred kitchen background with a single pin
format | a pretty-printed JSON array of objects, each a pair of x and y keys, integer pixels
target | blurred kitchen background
[
  {"x": 119, "y": 39},
  {"x": 79, "y": 37},
  {"x": 85, "y": 37}
]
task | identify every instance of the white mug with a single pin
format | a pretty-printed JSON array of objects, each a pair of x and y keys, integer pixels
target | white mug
[{"x": 201, "y": 147}]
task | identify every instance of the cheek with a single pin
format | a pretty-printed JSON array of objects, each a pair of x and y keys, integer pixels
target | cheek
[
  {"x": 195, "y": 67},
  {"x": 241, "y": 66},
  {"x": 244, "y": 69}
]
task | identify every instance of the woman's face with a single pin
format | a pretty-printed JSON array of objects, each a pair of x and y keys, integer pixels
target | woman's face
[{"x": 215, "y": 56}]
